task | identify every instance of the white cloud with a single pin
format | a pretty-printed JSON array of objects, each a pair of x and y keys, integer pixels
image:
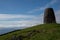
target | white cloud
[
  {"x": 14, "y": 16},
  {"x": 57, "y": 13},
  {"x": 12, "y": 24},
  {"x": 22, "y": 23}
]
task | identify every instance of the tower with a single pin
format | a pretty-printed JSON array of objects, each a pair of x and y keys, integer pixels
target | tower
[{"x": 49, "y": 16}]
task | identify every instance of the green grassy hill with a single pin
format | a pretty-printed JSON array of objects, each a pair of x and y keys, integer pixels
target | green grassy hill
[{"x": 39, "y": 32}]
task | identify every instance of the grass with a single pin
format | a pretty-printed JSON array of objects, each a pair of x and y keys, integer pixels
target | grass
[{"x": 39, "y": 32}]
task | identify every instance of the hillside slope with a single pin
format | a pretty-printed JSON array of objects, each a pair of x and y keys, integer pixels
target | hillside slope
[{"x": 39, "y": 32}]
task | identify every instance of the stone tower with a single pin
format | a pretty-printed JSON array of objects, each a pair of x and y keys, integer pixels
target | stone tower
[{"x": 49, "y": 16}]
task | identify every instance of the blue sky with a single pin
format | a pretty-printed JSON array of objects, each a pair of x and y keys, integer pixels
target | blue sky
[
  {"x": 25, "y": 13},
  {"x": 24, "y": 6}
]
